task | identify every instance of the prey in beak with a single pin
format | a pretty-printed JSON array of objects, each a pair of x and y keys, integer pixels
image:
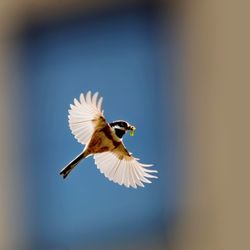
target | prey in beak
[{"x": 132, "y": 130}]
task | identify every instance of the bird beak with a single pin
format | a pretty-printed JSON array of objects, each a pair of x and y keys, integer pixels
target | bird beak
[{"x": 132, "y": 130}]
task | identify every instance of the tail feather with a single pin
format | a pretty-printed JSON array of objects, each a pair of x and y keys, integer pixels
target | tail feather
[{"x": 66, "y": 170}]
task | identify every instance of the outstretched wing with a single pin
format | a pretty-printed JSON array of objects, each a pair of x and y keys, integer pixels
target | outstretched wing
[
  {"x": 121, "y": 167},
  {"x": 85, "y": 116}
]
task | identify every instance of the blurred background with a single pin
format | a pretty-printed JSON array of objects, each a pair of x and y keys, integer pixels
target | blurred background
[{"x": 177, "y": 71}]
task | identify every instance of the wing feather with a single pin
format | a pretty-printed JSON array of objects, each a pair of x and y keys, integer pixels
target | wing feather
[
  {"x": 99, "y": 104},
  {"x": 132, "y": 178},
  {"x": 94, "y": 99},
  {"x": 121, "y": 167},
  {"x": 84, "y": 115}
]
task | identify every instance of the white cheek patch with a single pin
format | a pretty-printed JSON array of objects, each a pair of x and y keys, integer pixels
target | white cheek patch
[{"x": 118, "y": 127}]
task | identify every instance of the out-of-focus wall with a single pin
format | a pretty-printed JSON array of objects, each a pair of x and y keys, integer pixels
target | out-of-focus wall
[
  {"x": 8, "y": 183},
  {"x": 216, "y": 37}
]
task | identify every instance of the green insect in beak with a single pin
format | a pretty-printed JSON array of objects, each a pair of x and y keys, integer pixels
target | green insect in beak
[{"x": 132, "y": 131}]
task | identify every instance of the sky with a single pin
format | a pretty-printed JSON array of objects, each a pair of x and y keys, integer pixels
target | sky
[{"x": 117, "y": 54}]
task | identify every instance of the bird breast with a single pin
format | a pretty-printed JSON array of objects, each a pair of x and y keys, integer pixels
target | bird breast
[{"x": 103, "y": 140}]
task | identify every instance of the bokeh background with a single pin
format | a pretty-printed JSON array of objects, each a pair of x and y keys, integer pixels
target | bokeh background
[{"x": 177, "y": 71}]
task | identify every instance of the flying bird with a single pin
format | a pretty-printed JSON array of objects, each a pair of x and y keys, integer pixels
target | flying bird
[{"x": 103, "y": 141}]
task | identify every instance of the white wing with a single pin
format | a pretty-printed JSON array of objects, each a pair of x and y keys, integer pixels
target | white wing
[
  {"x": 122, "y": 168},
  {"x": 85, "y": 116}
]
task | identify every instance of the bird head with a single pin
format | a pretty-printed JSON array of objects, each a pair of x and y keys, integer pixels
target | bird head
[{"x": 120, "y": 127}]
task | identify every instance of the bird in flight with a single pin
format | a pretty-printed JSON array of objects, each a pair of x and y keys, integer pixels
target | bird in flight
[{"x": 103, "y": 141}]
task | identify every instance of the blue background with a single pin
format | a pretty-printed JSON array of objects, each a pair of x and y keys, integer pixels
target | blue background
[{"x": 119, "y": 55}]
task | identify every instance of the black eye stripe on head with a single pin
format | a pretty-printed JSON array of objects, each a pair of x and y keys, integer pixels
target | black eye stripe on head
[{"x": 121, "y": 124}]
